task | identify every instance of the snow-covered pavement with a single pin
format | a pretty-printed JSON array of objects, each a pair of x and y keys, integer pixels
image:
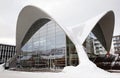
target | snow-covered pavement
[{"x": 68, "y": 72}]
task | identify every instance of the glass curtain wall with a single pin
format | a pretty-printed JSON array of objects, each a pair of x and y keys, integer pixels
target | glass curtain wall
[
  {"x": 97, "y": 53},
  {"x": 72, "y": 57},
  {"x": 48, "y": 48}
]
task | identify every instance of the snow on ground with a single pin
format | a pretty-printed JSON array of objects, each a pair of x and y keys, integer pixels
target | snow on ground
[{"x": 68, "y": 72}]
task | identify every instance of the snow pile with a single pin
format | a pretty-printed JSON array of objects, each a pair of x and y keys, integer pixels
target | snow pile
[
  {"x": 81, "y": 71},
  {"x": 1, "y": 67},
  {"x": 89, "y": 70}
]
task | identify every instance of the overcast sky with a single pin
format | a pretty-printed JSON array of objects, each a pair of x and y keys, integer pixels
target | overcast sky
[{"x": 9, "y": 11}]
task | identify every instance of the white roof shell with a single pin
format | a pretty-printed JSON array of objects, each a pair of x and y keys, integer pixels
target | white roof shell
[{"x": 73, "y": 17}]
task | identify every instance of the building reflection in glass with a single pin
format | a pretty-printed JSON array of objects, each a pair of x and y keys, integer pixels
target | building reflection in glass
[{"x": 48, "y": 48}]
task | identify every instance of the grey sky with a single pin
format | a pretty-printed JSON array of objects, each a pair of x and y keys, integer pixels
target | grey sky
[
  {"x": 8, "y": 18},
  {"x": 9, "y": 11}
]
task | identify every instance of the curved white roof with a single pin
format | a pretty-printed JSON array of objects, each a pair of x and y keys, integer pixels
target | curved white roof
[{"x": 73, "y": 17}]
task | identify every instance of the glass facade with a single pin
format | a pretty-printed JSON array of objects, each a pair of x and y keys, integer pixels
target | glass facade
[
  {"x": 48, "y": 48},
  {"x": 97, "y": 52}
]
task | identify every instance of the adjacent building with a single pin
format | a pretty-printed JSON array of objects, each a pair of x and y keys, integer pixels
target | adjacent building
[
  {"x": 93, "y": 46},
  {"x": 6, "y": 52},
  {"x": 116, "y": 43},
  {"x": 98, "y": 48}
]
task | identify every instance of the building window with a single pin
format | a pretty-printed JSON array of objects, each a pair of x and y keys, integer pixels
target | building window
[{"x": 49, "y": 48}]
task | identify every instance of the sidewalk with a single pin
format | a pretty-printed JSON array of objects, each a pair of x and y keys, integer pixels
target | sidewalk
[{"x": 114, "y": 71}]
